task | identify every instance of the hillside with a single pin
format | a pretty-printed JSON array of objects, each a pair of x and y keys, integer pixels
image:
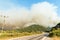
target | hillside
[{"x": 32, "y": 28}]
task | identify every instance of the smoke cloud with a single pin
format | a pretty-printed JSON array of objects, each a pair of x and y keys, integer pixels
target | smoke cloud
[{"x": 43, "y": 13}]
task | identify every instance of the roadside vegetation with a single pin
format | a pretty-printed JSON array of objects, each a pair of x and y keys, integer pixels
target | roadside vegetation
[
  {"x": 55, "y": 32},
  {"x": 30, "y": 30}
]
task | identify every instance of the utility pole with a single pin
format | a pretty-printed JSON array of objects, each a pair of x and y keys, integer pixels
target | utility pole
[
  {"x": 2, "y": 25},
  {"x": 4, "y": 19}
]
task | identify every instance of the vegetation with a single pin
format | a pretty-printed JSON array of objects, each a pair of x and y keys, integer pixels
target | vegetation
[
  {"x": 55, "y": 32},
  {"x": 30, "y": 30}
]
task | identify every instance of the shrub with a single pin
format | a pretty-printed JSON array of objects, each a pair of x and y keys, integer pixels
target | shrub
[{"x": 56, "y": 32}]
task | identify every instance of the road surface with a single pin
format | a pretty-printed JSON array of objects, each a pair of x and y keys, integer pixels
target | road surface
[{"x": 33, "y": 37}]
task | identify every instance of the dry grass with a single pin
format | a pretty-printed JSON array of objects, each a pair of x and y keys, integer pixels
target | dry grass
[
  {"x": 56, "y": 38},
  {"x": 4, "y": 38}
]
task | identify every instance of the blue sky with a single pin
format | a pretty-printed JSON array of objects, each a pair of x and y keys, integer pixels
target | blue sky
[
  {"x": 28, "y": 3},
  {"x": 6, "y": 4}
]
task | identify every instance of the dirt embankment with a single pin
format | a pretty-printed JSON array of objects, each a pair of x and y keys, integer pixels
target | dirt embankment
[{"x": 56, "y": 38}]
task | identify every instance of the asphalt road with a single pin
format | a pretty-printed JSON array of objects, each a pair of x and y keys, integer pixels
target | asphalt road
[{"x": 34, "y": 37}]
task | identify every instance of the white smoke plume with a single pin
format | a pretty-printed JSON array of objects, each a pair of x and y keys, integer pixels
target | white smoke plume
[{"x": 43, "y": 13}]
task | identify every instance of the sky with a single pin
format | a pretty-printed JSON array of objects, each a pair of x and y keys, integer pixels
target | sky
[
  {"x": 6, "y": 4},
  {"x": 43, "y": 12}
]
